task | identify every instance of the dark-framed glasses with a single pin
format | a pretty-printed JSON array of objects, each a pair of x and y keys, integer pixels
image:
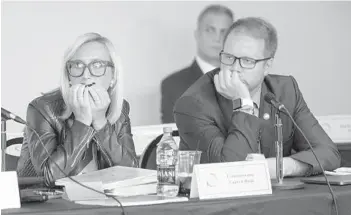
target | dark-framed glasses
[
  {"x": 96, "y": 68},
  {"x": 245, "y": 62}
]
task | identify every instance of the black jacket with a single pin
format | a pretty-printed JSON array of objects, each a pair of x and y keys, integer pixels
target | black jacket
[{"x": 173, "y": 86}]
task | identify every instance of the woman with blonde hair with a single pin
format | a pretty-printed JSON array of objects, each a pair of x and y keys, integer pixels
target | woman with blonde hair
[{"x": 84, "y": 125}]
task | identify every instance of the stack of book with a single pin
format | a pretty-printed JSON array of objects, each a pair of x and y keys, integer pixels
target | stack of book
[
  {"x": 116, "y": 181},
  {"x": 131, "y": 186}
]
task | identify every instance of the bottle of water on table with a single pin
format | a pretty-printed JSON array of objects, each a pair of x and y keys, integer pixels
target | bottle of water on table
[{"x": 167, "y": 161}]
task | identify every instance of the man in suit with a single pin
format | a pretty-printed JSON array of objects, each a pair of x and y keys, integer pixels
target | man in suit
[
  {"x": 224, "y": 113},
  {"x": 212, "y": 24}
]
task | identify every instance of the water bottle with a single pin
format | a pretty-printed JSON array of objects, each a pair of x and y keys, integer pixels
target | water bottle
[{"x": 167, "y": 162}]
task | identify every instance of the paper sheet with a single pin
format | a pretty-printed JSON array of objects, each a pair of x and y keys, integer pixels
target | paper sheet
[
  {"x": 339, "y": 171},
  {"x": 134, "y": 201}
]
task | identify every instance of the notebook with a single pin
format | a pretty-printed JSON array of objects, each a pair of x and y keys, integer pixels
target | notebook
[{"x": 333, "y": 180}]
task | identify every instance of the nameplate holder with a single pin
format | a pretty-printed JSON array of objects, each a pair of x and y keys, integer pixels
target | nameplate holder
[
  {"x": 232, "y": 179},
  {"x": 338, "y": 127},
  {"x": 9, "y": 190}
]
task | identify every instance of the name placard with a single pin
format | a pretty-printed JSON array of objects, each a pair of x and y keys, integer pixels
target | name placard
[
  {"x": 9, "y": 190},
  {"x": 338, "y": 127},
  {"x": 232, "y": 179}
]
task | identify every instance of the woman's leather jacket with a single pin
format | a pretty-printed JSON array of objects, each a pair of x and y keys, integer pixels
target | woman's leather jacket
[{"x": 70, "y": 143}]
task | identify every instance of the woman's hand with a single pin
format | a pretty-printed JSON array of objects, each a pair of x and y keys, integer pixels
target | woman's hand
[
  {"x": 99, "y": 102},
  {"x": 79, "y": 101}
]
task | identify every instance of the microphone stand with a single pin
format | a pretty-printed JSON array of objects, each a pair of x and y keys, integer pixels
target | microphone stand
[
  {"x": 6, "y": 115},
  {"x": 279, "y": 147},
  {"x": 280, "y": 184},
  {"x": 3, "y": 145}
]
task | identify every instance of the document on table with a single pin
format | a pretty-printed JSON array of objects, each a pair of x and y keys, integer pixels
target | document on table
[
  {"x": 134, "y": 200},
  {"x": 117, "y": 180},
  {"x": 339, "y": 171}
]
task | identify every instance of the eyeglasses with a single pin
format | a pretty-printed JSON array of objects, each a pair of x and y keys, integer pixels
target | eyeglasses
[
  {"x": 96, "y": 68},
  {"x": 245, "y": 62}
]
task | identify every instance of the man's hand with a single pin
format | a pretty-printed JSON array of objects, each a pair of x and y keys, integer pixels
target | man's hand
[
  {"x": 291, "y": 167},
  {"x": 78, "y": 98},
  {"x": 230, "y": 85},
  {"x": 272, "y": 167},
  {"x": 99, "y": 102}
]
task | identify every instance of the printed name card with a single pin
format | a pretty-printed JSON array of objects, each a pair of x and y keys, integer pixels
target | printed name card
[
  {"x": 338, "y": 127},
  {"x": 9, "y": 190},
  {"x": 233, "y": 179}
]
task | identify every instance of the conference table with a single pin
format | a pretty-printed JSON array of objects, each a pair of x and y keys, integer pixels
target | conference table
[{"x": 312, "y": 199}]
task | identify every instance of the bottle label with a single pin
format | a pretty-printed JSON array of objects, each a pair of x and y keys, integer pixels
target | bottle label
[
  {"x": 168, "y": 157},
  {"x": 166, "y": 174}
]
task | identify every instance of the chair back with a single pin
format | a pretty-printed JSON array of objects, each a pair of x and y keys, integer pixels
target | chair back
[
  {"x": 13, "y": 146},
  {"x": 145, "y": 134},
  {"x": 148, "y": 157},
  {"x": 338, "y": 129}
]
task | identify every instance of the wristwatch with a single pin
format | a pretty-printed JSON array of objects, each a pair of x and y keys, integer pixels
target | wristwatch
[{"x": 243, "y": 104}]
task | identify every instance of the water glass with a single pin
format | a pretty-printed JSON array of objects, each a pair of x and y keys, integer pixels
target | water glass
[{"x": 187, "y": 160}]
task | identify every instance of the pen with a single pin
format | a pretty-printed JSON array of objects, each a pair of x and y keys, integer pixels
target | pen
[
  {"x": 48, "y": 192},
  {"x": 39, "y": 195},
  {"x": 39, "y": 198}
]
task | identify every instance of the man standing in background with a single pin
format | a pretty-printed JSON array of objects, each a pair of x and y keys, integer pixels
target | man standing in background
[{"x": 212, "y": 25}]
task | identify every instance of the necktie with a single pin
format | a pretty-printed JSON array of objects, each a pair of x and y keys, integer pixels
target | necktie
[{"x": 255, "y": 109}]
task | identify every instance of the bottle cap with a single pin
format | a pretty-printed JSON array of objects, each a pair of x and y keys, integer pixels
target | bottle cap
[
  {"x": 167, "y": 129},
  {"x": 255, "y": 156}
]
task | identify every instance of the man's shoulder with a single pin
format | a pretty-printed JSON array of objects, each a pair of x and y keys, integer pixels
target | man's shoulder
[
  {"x": 285, "y": 89},
  {"x": 202, "y": 86},
  {"x": 203, "y": 90},
  {"x": 277, "y": 83},
  {"x": 179, "y": 76}
]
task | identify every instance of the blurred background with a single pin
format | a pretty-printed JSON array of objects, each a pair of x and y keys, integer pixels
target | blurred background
[{"x": 155, "y": 39}]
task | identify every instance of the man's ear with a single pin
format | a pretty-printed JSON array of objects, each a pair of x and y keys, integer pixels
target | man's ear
[{"x": 268, "y": 66}]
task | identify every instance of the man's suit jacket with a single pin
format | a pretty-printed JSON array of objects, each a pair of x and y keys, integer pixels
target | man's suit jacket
[
  {"x": 174, "y": 86},
  {"x": 206, "y": 121}
]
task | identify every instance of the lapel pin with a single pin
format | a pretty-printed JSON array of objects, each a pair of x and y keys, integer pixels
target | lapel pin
[{"x": 266, "y": 116}]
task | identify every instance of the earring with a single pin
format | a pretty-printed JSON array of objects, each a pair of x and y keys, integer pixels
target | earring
[{"x": 112, "y": 83}]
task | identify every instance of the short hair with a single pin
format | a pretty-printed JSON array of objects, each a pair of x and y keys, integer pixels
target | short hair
[
  {"x": 115, "y": 92},
  {"x": 257, "y": 28},
  {"x": 215, "y": 8}
]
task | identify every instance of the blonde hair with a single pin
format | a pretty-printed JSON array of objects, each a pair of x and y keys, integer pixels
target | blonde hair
[{"x": 115, "y": 91}]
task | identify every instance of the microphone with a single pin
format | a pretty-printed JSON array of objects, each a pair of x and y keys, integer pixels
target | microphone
[
  {"x": 270, "y": 98},
  {"x": 7, "y": 115}
]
